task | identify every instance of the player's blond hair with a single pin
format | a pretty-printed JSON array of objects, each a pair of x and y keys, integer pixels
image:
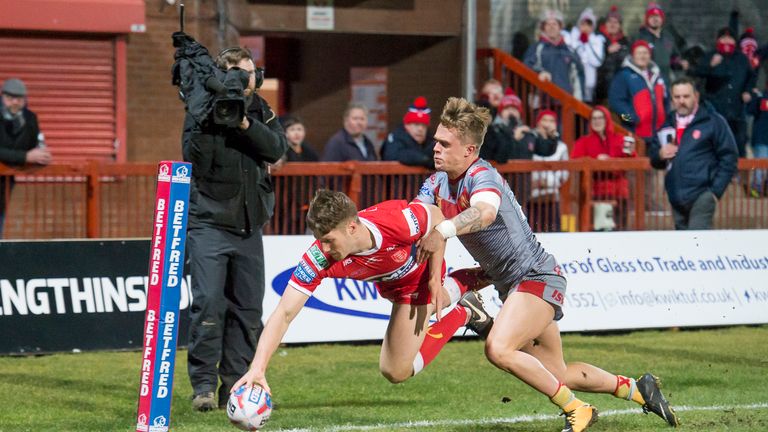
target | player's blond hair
[
  {"x": 467, "y": 120},
  {"x": 327, "y": 210}
]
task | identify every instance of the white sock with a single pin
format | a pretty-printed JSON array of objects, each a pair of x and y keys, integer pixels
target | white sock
[
  {"x": 454, "y": 292},
  {"x": 418, "y": 363}
]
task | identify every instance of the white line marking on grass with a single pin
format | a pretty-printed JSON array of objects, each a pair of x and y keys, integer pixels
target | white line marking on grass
[{"x": 510, "y": 420}]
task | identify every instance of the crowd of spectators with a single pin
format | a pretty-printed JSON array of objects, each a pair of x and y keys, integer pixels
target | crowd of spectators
[{"x": 627, "y": 80}]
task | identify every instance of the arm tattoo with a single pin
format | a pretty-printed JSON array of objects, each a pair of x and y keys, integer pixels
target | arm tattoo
[{"x": 468, "y": 221}]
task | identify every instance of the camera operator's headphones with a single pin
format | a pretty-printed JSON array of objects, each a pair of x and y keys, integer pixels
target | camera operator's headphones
[{"x": 258, "y": 72}]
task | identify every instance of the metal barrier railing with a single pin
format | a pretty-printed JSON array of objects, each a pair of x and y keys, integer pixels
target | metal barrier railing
[{"x": 116, "y": 200}]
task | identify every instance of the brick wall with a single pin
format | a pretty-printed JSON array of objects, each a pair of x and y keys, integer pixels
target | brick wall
[{"x": 155, "y": 113}]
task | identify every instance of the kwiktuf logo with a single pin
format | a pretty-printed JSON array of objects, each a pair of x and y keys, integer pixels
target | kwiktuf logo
[
  {"x": 163, "y": 174},
  {"x": 182, "y": 175},
  {"x": 339, "y": 296}
]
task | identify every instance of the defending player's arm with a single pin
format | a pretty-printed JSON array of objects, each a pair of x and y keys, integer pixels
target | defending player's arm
[
  {"x": 484, "y": 206},
  {"x": 277, "y": 325}
]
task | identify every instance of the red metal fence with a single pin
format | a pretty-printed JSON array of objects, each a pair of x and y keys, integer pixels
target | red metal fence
[{"x": 116, "y": 200}]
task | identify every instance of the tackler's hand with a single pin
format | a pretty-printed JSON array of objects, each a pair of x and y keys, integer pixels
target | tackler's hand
[{"x": 429, "y": 245}]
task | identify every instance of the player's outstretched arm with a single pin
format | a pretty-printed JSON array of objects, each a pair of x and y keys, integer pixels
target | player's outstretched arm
[
  {"x": 475, "y": 218},
  {"x": 277, "y": 325}
]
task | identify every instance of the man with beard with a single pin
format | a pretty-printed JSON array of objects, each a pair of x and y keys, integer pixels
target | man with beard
[
  {"x": 231, "y": 199},
  {"x": 662, "y": 43},
  {"x": 698, "y": 154}
]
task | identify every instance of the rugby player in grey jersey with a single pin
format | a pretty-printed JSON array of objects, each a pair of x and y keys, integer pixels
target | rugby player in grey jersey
[{"x": 482, "y": 211}]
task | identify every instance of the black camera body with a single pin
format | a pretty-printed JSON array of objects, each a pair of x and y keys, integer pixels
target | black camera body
[
  {"x": 229, "y": 100},
  {"x": 212, "y": 96}
]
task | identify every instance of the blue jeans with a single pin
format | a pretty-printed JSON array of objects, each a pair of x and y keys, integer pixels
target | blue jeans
[{"x": 760, "y": 176}]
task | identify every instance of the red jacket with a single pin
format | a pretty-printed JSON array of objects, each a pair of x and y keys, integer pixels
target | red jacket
[{"x": 610, "y": 184}]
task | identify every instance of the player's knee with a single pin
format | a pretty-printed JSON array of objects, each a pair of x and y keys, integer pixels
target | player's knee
[
  {"x": 395, "y": 375},
  {"x": 498, "y": 351}
]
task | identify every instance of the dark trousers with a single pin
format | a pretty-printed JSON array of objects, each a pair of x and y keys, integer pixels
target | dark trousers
[
  {"x": 739, "y": 129},
  {"x": 225, "y": 316},
  {"x": 697, "y": 215}
]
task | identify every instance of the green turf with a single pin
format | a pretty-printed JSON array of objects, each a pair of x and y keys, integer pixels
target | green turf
[{"x": 322, "y": 386}]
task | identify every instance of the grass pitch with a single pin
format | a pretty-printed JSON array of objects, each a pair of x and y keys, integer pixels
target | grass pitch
[{"x": 717, "y": 378}]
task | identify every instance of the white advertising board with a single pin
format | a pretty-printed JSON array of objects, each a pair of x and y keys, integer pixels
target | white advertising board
[{"x": 621, "y": 280}]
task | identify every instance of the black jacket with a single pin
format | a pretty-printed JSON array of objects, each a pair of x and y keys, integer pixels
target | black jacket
[
  {"x": 231, "y": 188},
  {"x": 706, "y": 159},
  {"x": 611, "y": 65},
  {"x": 501, "y": 146},
  {"x": 725, "y": 83},
  {"x": 400, "y": 146},
  {"x": 16, "y": 141},
  {"x": 341, "y": 147}
]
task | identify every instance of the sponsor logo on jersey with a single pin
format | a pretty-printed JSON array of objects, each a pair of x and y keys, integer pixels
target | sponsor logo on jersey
[
  {"x": 317, "y": 258},
  {"x": 304, "y": 273},
  {"x": 413, "y": 222},
  {"x": 347, "y": 262},
  {"x": 400, "y": 256},
  {"x": 402, "y": 271},
  {"x": 557, "y": 296},
  {"x": 424, "y": 190}
]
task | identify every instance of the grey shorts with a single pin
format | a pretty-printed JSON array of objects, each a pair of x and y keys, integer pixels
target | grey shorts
[{"x": 547, "y": 283}]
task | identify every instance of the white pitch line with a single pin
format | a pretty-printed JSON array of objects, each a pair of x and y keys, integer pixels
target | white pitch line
[{"x": 509, "y": 420}]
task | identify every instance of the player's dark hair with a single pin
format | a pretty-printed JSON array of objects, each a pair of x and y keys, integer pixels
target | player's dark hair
[
  {"x": 467, "y": 120},
  {"x": 327, "y": 210}
]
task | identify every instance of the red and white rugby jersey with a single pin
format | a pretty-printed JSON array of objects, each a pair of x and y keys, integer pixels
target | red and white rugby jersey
[{"x": 396, "y": 226}]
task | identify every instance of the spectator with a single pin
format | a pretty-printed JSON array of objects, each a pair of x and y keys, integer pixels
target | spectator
[
  {"x": 662, "y": 43},
  {"x": 350, "y": 143},
  {"x": 699, "y": 155},
  {"x": 616, "y": 50},
  {"x": 298, "y": 149},
  {"x": 588, "y": 45},
  {"x": 638, "y": 93},
  {"x": 294, "y": 200},
  {"x": 231, "y": 199},
  {"x": 544, "y": 205},
  {"x": 758, "y": 107},
  {"x": 409, "y": 143},
  {"x": 490, "y": 95},
  {"x": 728, "y": 80},
  {"x": 509, "y": 138},
  {"x": 20, "y": 138},
  {"x": 604, "y": 143},
  {"x": 553, "y": 60},
  {"x": 748, "y": 45},
  {"x": 747, "y": 41}
]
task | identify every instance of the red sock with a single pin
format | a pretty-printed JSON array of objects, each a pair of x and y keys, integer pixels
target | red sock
[
  {"x": 438, "y": 334},
  {"x": 470, "y": 279}
]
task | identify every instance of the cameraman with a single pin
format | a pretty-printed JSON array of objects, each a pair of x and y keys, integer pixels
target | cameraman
[{"x": 231, "y": 199}]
